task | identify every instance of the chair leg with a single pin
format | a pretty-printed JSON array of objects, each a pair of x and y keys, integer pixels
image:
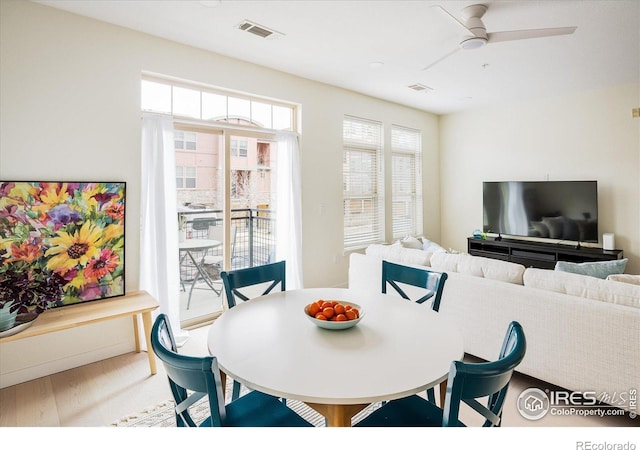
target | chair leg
[
  {"x": 431, "y": 396},
  {"x": 235, "y": 394},
  {"x": 223, "y": 381},
  {"x": 443, "y": 393},
  {"x": 191, "y": 290}
]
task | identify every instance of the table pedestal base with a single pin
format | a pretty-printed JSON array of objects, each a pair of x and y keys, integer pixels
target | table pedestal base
[{"x": 338, "y": 415}]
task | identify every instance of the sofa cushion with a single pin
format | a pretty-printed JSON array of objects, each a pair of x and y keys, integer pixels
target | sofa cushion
[
  {"x": 398, "y": 254},
  {"x": 625, "y": 278},
  {"x": 478, "y": 266},
  {"x": 583, "y": 286},
  {"x": 598, "y": 269}
]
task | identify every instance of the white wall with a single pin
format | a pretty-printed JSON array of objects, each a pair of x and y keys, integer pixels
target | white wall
[
  {"x": 591, "y": 136},
  {"x": 70, "y": 109}
]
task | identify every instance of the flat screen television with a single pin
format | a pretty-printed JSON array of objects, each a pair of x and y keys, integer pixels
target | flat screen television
[{"x": 554, "y": 210}]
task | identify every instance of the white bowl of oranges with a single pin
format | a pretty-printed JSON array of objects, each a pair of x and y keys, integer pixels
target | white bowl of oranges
[{"x": 334, "y": 314}]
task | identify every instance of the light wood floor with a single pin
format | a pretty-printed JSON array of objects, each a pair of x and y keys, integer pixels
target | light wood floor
[{"x": 98, "y": 394}]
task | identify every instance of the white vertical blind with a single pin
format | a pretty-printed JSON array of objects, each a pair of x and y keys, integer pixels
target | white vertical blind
[
  {"x": 406, "y": 181},
  {"x": 363, "y": 199}
]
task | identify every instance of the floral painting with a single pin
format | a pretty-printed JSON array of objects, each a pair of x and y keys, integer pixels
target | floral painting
[{"x": 60, "y": 243}]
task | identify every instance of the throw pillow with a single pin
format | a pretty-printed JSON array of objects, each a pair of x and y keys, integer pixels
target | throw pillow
[
  {"x": 411, "y": 242},
  {"x": 431, "y": 246},
  {"x": 599, "y": 269}
]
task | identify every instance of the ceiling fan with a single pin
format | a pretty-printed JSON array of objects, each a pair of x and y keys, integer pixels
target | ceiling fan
[{"x": 476, "y": 35}]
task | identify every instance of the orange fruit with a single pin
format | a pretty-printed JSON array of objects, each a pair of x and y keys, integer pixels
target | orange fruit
[
  {"x": 351, "y": 314},
  {"x": 339, "y": 309},
  {"x": 341, "y": 318},
  {"x": 328, "y": 312},
  {"x": 313, "y": 309},
  {"x": 320, "y": 316}
]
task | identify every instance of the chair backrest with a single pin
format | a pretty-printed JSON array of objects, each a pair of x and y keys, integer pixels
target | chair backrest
[
  {"x": 234, "y": 280},
  {"x": 190, "y": 378},
  {"x": 217, "y": 233},
  {"x": 470, "y": 381},
  {"x": 203, "y": 224},
  {"x": 424, "y": 278}
]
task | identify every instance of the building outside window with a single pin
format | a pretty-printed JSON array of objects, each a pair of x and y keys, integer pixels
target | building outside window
[
  {"x": 239, "y": 148},
  {"x": 185, "y": 177},
  {"x": 185, "y": 140}
]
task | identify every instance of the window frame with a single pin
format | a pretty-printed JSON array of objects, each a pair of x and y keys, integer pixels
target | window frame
[{"x": 283, "y": 116}]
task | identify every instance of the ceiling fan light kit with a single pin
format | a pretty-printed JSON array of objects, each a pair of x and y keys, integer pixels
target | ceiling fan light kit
[{"x": 473, "y": 42}]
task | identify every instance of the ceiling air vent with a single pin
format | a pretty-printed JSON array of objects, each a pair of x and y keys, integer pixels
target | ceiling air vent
[
  {"x": 258, "y": 30},
  {"x": 420, "y": 87}
]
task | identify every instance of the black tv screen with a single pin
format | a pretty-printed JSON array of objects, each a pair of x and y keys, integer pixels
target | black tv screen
[{"x": 558, "y": 210}]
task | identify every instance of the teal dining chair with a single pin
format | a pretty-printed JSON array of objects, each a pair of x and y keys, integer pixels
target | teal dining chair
[
  {"x": 432, "y": 281},
  {"x": 235, "y": 280},
  {"x": 467, "y": 383},
  {"x": 193, "y": 378}
]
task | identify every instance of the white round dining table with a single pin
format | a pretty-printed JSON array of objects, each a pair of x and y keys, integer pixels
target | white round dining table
[{"x": 397, "y": 349}]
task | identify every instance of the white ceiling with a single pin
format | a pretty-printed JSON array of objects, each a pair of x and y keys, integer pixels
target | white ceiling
[{"x": 335, "y": 41}]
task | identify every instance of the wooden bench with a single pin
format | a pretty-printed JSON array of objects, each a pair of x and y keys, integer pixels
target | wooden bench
[{"x": 63, "y": 318}]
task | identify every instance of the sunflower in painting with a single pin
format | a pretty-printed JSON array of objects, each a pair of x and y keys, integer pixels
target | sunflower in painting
[{"x": 70, "y": 250}]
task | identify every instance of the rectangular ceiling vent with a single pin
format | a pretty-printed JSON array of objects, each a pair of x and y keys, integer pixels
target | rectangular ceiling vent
[
  {"x": 258, "y": 30},
  {"x": 420, "y": 87}
]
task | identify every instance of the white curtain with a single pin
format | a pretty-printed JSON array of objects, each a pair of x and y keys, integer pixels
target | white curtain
[
  {"x": 289, "y": 208},
  {"x": 159, "y": 274}
]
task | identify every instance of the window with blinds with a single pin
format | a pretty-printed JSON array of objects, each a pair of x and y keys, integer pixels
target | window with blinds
[
  {"x": 406, "y": 182},
  {"x": 363, "y": 199}
]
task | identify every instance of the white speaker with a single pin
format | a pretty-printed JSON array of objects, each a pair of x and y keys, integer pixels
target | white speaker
[{"x": 608, "y": 241}]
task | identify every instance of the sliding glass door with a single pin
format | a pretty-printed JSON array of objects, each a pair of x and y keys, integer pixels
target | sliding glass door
[{"x": 224, "y": 190}]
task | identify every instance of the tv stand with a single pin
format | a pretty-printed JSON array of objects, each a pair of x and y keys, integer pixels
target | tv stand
[{"x": 541, "y": 255}]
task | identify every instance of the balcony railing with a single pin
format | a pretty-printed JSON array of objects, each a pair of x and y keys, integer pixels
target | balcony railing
[{"x": 254, "y": 243}]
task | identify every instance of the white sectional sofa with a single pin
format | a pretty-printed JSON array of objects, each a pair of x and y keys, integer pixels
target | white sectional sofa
[{"x": 583, "y": 333}]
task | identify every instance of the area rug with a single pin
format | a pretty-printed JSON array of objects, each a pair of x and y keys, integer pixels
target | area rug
[{"x": 162, "y": 415}]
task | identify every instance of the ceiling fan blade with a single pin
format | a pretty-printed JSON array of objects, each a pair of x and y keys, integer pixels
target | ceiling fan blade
[
  {"x": 441, "y": 58},
  {"x": 452, "y": 17},
  {"x": 503, "y": 36}
]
